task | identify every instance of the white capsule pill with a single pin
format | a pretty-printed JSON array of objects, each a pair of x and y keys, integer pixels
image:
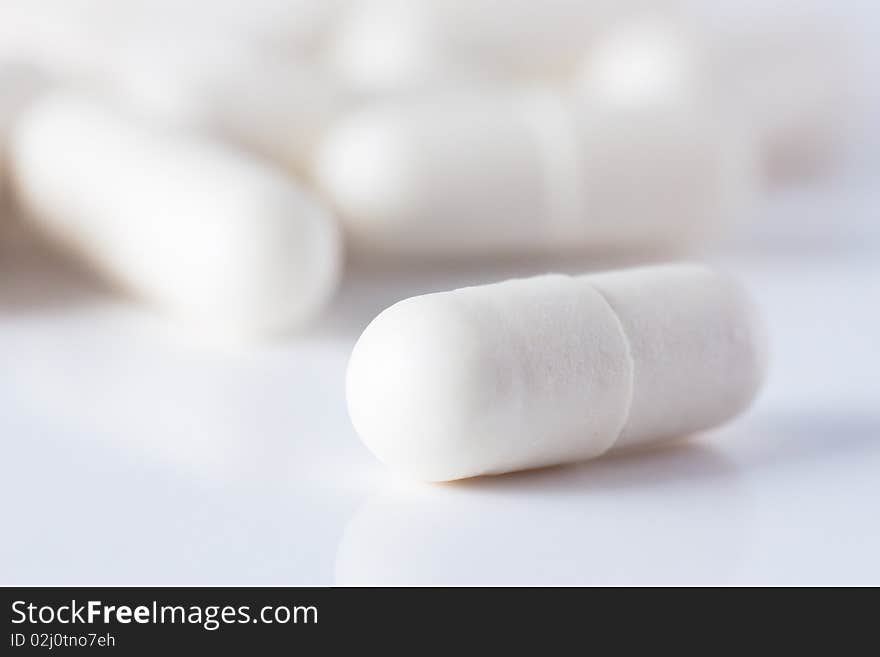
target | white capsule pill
[
  {"x": 791, "y": 83},
  {"x": 79, "y": 39},
  {"x": 547, "y": 370},
  {"x": 19, "y": 85},
  {"x": 275, "y": 107},
  {"x": 69, "y": 39},
  {"x": 201, "y": 230},
  {"x": 473, "y": 174},
  {"x": 387, "y": 45},
  {"x": 394, "y": 46}
]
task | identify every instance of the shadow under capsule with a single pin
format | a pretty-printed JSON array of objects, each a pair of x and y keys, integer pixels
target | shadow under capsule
[
  {"x": 37, "y": 277},
  {"x": 685, "y": 513},
  {"x": 674, "y": 515}
]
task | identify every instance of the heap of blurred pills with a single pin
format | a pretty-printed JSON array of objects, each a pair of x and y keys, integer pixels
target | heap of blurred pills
[{"x": 222, "y": 160}]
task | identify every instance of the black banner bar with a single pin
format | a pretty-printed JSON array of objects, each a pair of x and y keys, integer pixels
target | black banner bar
[{"x": 134, "y": 620}]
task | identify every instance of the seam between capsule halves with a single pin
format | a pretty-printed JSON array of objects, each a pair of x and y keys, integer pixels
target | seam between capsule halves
[
  {"x": 632, "y": 370},
  {"x": 554, "y": 135}
]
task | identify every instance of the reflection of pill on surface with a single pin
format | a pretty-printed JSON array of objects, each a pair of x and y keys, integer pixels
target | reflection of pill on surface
[
  {"x": 540, "y": 371},
  {"x": 676, "y": 515},
  {"x": 200, "y": 230}
]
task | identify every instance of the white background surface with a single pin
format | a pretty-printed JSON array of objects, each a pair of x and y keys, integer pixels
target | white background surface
[{"x": 133, "y": 454}]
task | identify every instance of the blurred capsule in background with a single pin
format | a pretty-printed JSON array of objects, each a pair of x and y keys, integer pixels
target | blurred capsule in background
[
  {"x": 791, "y": 82},
  {"x": 202, "y": 231},
  {"x": 275, "y": 107},
  {"x": 534, "y": 172},
  {"x": 385, "y": 46},
  {"x": 78, "y": 38},
  {"x": 436, "y": 129},
  {"x": 19, "y": 85},
  {"x": 68, "y": 40}
]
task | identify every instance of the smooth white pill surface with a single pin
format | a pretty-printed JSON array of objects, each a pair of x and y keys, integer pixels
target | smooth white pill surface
[
  {"x": 202, "y": 231},
  {"x": 547, "y": 370},
  {"x": 469, "y": 174}
]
